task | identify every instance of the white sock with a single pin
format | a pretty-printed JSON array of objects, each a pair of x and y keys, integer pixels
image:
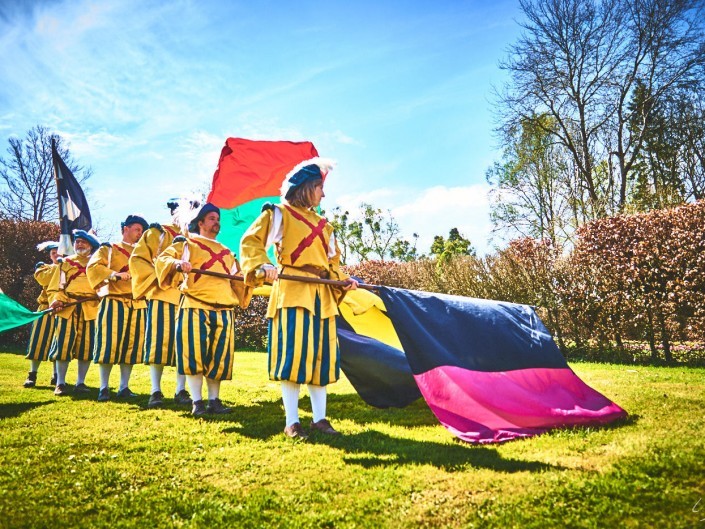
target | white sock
[
  {"x": 34, "y": 365},
  {"x": 83, "y": 366},
  {"x": 195, "y": 384},
  {"x": 213, "y": 388},
  {"x": 290, "y": 397},
  {"x": 318, "y": 401},
  {"x": 180, "y": 383},
  {"x": 155, "y": 373},
  {"x": 125, "y": 372},
  {"x": 62, "y": 366},
  {"x": 105, "y": 375}
]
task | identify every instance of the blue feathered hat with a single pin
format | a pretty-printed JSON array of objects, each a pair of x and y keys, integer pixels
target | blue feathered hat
[
  {"x": 313, "y": 169},
  {"x": 135, "y": 219},
  {"x": 47, "y": 246},
  {"x": 90, "y": 239},
  {"x": 205, "y": 210}
]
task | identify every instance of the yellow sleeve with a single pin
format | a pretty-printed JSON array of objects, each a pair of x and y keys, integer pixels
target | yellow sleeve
[
  {"x": 97, "y": 269},
  {"x": 142, "y": 263},
  {"x": 53, "y": 291},
  {"x": 252, "y": 248},
  {"x": 165, "y": 266},
  {"x": 43, "y": 274}
]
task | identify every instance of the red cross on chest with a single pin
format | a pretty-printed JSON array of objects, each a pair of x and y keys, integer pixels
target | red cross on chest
[
  {"x": 316, "y": 233},
  {"x": 214, "y": 258},
  {"x": 126, "y": 254}
]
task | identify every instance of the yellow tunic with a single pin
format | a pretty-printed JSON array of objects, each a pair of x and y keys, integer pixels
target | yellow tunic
[
  {"x": 43, "y": 276},
  {"x": 142, "y": 265},
  {"x": 69, "y": 283},
  {"x": 320, "y": 254},
  {"x": 202, "y": 291},
  {"x": 108, "y": 259}
]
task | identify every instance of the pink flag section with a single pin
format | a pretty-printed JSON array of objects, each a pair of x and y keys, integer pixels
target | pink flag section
[{"x": 507, "y": 405}]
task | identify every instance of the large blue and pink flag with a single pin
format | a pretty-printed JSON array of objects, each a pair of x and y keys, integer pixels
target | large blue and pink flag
[{"x": 489, "y": 370}]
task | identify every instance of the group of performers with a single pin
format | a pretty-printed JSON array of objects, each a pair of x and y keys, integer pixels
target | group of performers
[{"x": 146, "y": 299}]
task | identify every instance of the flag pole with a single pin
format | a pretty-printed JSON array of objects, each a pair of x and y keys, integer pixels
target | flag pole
[
  {"x": 302, "y": 279},
  {"x": 62, "y": 242}
]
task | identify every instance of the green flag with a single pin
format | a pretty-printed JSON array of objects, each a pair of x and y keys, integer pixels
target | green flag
[{"x": 12, "y": 314}]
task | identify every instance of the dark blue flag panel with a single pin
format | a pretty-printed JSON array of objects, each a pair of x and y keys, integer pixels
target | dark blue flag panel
[
  {"x": 73, "y": 206},
  {"x": 488, "y": 370}
]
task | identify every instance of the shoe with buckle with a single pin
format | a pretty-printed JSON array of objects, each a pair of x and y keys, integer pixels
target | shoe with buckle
[
  {"x": 104, "y": 395},
  {"x": 61, "y": 390},
  {"x": 182, "y": 398},
  {"x": 216, "y": 406},
  {"x": 199, "y": 408},
  {"x": 31, "y": 380},
  {"x": 324, "y": 426},
  {"x": 156, "y": 400},
  {"x": 295, "y": 431},
  {"x": 125, "y": 393},
  {"x": 81, "y": 388}
]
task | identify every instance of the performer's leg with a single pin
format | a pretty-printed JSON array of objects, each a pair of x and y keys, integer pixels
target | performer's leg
[
  {"x": 34, "y": 365},
  {"x": 105, "y": 370},
  {"x": 290, "y": 397},
  {"x": 318, "y": 396},
  {"x": 180, "y": 383},
  {"x": 195, "y": 384},
  {"x": 83, "y": 366},
  {"x": 125, "y": 372},
  {"x": 155, "y": 374}
]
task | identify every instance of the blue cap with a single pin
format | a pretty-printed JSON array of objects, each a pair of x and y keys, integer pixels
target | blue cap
[
  {"x": 82, "y": 234},
  {"x": 135, "y": 219},
  {"x": 303, "y": 175},
  {"x": 205, "y": 210}
]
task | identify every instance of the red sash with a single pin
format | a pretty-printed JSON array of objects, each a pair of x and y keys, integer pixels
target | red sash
[
  {"x": 215, "y": 258},
  {"x": 316, "y": 232},
  {"x": 80, "y": 270},
  {"x": 124, "y": 252}
]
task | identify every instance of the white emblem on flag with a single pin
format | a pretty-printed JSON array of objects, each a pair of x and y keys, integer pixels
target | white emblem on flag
[{"x": 71, "y": 210}]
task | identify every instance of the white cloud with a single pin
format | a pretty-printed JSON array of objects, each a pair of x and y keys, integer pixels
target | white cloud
[{"x": 432, "y": 211}]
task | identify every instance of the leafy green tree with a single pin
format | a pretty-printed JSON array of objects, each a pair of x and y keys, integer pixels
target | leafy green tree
[{"x": 444, "y": 249}]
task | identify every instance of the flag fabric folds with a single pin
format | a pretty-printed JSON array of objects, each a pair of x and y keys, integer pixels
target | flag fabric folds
[
  {"x": 12, "y": 314},
  {"x": 488, "y": 370},
  {"x": 73, "y": 206},
  {"x": 249, "y": 174}
]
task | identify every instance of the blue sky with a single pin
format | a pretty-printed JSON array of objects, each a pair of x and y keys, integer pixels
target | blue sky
[{"x": 146, "y": 92}]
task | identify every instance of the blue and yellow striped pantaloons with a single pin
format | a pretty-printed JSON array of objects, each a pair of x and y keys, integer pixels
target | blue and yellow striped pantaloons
[
  {"x": 119, "y": 337},
  {"x": 40, "y": 338},
  {"x": 159, "y": 343},
  {"x": 205, "y": 343},
  {"x": 73, "y": 337},
  {"x": 303, "y": 348}
]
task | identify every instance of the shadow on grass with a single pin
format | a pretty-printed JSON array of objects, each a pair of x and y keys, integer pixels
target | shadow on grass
[
  {"x": 375, "y": 449},
  {"x": 10, "y": 410}
]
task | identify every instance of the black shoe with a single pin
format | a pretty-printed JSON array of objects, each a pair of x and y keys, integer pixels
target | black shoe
[
  {"x": 53, "y": 380},
  {"x": 125, "y": 393},
  {"x": 295, "y": 431},
  {"x": 104, "y": 395},
  {"x": 183, "y": 398},
  {"x": 216, "y": 406},
  {"x": 61, "y": 390},
  {"x": 198, "y": 408},
  {"x": 156, "y": 400},
  {"x": 81, "y": 388},
  {"x": 32, "y": 380}
]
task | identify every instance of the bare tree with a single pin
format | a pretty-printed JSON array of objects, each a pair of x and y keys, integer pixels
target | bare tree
[
  {"x": 580, "y": 62},
  {"x": 27, "y": 184}
]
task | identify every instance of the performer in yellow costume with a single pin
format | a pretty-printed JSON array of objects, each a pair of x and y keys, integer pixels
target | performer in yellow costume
[
  {"x": 43, "y": 328},
  {"x": 205, "y": 327},
  {"x": 119, "y": 335},
  {"x": 303, "y": 347},
  {"x": 162, "y": 303},
  {"x": 74, "y": 326}
]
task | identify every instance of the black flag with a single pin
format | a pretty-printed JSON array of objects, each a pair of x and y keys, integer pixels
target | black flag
[{"x": 73, "y": 206}]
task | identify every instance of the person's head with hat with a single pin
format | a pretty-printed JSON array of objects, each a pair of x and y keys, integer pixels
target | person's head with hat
[
  {"x": 303, "y": 186},
  {"x": 207, "y": 221},
  {"x": 182, "y": 209},
  {"x": 52, "y": 247},
  {"x": 132, "y": 228},
  {"x": 84, "y": 243}
]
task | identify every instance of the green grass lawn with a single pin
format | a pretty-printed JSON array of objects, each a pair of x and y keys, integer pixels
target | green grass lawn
[{"x": 70, "y": 462}]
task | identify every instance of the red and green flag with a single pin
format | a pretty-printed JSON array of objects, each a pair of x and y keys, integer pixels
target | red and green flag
[{"x": 249, "y": 174}]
